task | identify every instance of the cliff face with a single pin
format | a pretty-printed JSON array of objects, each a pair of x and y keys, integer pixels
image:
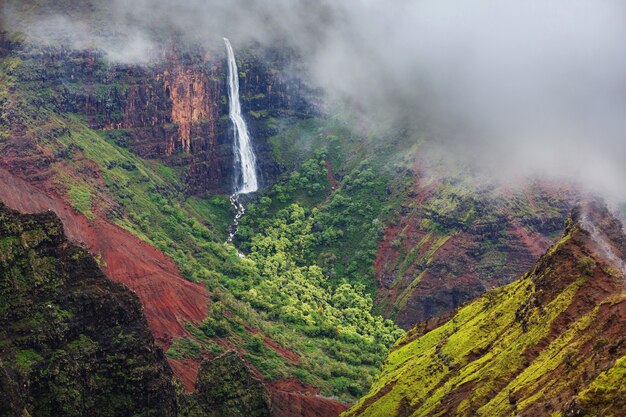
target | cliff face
[
  {"x": 73, "y": 342},
  {"x": 177, "y": 112},
  {"x": 194, "y": 98},
  {"x": 451, "y": 243},
  {"x": 170, "y": 112},
  {"x": 549, "y": 344}
]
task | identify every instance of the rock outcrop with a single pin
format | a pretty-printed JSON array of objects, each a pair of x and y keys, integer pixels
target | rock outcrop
[
  {"x": 171, "y": 112},
  {"x": 177, "y": 111},
  {"x": 73, "y": 342},
  {"x": 226, "y": 387}
]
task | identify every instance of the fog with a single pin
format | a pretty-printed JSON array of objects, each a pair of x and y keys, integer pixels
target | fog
[{"x": 515, "y": 88}]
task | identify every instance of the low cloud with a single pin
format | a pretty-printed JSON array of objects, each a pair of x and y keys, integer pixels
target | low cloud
[{"x": 516, "y": 88}]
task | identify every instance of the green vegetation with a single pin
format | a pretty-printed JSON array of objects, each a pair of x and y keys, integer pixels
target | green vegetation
[
  {"x": 606, "y": 395},
  {"x": 319, "y": 328},
  {"x": 586, "y": 265},
  {"x": 152, "y": 212},
  {"x": 182, "y": 347},
  {"x": 25, "y": 359},
  {"x": 375, "y": 190},
  {"x": 427, "y": 367},
  {"x": 348, "y": 216},
  {"x": 511, "y": 351},
  {"x": 81, "y": 200}
]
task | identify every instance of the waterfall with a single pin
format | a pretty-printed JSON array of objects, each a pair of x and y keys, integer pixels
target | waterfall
[{"x": 245, "y": 161}]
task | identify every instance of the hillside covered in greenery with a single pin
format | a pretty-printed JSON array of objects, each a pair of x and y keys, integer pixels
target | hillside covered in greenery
[
  {"x": 549, "y": 344},
  {"x": 335, "y": 340}
]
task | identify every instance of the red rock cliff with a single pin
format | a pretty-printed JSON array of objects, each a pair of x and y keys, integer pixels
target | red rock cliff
[{"x": 193, "y": 98}]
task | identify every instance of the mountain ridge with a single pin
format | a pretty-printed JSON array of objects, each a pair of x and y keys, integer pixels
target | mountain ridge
[
  {"x": 73, "y": 342},
  {"x": 543, "y": 345}
]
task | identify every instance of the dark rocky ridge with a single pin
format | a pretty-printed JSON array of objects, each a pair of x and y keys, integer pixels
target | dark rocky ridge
[
  {"x": 72, "y": 342},
  {"x": 227, "y": 388}
]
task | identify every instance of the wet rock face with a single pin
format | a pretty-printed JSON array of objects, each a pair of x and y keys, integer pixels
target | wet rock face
[
  {"x": 227, "y": 388},
  {"x": 174, "y": 112},
  {"x": 193, "y": 97},
  {"x": 177, "y": 111},
  {"x": 74, "y": 343}
]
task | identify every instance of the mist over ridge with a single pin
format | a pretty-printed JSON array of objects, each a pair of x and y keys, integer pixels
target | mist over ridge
[{"x": 517, "y": 89}]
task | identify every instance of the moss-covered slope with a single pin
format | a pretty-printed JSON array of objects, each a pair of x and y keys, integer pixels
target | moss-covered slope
[
  {"x": 550, "y": 344},
  {"x": 72, "y": 342},
  {"x": 227, "y": 388}
]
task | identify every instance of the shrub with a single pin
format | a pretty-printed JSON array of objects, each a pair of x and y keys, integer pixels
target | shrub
[
  {"x": 184, "y": 348},
  {"x": 586, "y": 265},
  {"x": 256, "y": 344}
]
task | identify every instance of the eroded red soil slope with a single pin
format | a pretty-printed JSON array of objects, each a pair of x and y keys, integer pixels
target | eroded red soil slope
[
  {"x": 292, "y": 398},
  {"x": 168, "y": 299}
]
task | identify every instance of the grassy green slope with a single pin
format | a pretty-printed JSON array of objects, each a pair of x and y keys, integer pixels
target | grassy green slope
[{"x": 534, "y": 347}]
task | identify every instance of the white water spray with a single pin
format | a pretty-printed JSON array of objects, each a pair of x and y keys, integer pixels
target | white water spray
[{"x": 245, "y": 161}]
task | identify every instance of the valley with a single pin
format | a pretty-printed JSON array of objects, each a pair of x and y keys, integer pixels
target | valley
[{"x": 245, "y": 248}]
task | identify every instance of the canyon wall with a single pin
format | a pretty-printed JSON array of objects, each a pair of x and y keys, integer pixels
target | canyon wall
[
  {"x": 177, "y": 111},
  {"x": 450, "y": 244}
]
